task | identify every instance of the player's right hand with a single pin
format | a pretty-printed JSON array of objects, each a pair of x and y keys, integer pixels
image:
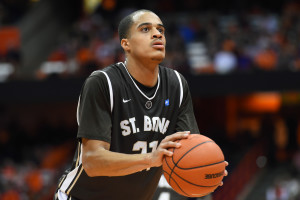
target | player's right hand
[{"x": 168, "y": 142}]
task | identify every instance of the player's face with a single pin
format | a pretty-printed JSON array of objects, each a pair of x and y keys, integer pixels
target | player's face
[{"x": 147, "y": 37}]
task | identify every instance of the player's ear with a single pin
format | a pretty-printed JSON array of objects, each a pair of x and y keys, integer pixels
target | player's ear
[{"x": 125, "y": 44}]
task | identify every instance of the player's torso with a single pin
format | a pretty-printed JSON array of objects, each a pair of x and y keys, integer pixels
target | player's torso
[
  {"x": 140, "y": 122},
  {"x": 138, "y": 126}
]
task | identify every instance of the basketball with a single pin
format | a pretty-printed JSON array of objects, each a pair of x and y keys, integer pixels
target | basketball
[{"x": 196, "y": 168}]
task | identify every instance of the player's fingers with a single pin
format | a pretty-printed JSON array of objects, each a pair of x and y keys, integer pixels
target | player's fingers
[
  {"x": 170, "y": 144},
  {"x": 225, "y": 172},
  {"x": 226, "y": 163},
  {"x": 177, "y": 136},
  {"x": 167, "y": 153}
]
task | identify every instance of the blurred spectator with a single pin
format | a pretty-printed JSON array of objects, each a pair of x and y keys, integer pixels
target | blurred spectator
[
  {"x": 284, "y": 188},
  {"x": 225, "y": 60},
  {"x": 198, "y": 58},
  {"x": 244, "y": 62},
  {"x": 10, "y": 56},
  {"x": 266, "y": 59},
  {"x": 277, "y": 192}
]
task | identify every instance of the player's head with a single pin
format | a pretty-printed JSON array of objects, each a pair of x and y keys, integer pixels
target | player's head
[
  {"x": 142, "y": 35},
  {"x": 126, "y": 23}
]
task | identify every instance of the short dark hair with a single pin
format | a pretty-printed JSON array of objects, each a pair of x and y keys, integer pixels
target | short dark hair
[{"x": 126, "y": 23}]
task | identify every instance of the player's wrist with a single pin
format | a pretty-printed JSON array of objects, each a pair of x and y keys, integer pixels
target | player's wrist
[{"x": 148, "y": 160}]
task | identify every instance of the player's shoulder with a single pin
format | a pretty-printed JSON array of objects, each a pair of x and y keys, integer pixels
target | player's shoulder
[
  {"x": 105, "y": 73},
  {"x": 166, "y": 70},
  {"x": 106, "y": 70},
  {"x": 172, "y": 74},
  {"x": 98, "y": 77}
]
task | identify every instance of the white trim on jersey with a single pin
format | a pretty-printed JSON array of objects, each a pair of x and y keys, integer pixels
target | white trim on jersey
[
  {"x": 149, "y": 98},
  {"x": 181, "y": 88},
  {"x": 61, "y": 195},
  {"x": 71, "y": 177},
  {"x": 111, "y": 94},
  {"x": 79, "y": 156},
  {"x": 77, "y": 112}
]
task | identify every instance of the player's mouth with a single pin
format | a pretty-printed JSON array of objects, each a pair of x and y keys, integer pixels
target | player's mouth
[{"x": 158, "y": 44}]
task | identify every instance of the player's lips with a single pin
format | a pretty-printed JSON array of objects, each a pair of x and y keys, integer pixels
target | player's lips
[{"x": 158, "y": 44}]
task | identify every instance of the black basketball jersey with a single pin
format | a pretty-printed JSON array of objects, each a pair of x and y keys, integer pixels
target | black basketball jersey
[{"x": 113, "y": 108}]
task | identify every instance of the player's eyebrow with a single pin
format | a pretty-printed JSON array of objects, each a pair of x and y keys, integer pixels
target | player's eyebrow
[{"x": 147, "y": 24}]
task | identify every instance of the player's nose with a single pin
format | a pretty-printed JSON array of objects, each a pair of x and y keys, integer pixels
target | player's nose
[{"x": 157, "y": 34}]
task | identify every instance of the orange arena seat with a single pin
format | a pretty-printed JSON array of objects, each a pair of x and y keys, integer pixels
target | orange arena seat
[{"x": 9, "y": 39}]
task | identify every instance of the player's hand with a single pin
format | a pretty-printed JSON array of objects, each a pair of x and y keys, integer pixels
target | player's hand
[
  {"x": 225, "y": 172},
  {"x": 170, "y": 141}
]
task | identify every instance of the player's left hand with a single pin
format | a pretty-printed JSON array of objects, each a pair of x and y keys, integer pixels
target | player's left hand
[{"x": 225, "y": 172}]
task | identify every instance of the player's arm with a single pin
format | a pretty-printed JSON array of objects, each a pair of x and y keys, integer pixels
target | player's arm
[{"x": 97, "y": 160}]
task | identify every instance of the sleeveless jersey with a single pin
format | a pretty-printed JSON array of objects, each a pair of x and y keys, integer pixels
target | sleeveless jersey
[{"x": 113, "y": 108}]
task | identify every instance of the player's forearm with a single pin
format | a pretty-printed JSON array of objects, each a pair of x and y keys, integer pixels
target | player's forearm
[{"x": 107, "y": 163}]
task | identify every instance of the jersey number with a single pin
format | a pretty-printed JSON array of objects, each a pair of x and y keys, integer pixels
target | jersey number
[{"x": 142, "y": 146}]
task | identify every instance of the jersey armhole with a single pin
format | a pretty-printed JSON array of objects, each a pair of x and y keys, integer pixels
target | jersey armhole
[
  {"x": 111, "y": 96},
  {"x": 181, "y": 88}
]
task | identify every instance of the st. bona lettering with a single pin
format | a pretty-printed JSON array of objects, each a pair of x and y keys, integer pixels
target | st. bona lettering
[{"x": 155, "y": 124}]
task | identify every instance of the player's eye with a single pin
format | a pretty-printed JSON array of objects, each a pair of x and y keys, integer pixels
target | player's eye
[
  {"x": 145, "y": 29},
  {"x": 161, "y": 30}
]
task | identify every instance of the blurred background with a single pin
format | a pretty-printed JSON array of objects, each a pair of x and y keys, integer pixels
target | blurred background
[{"x": 241, "y": 59}]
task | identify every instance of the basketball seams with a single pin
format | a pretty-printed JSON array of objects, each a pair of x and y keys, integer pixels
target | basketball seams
[
  {"x": 172, "y": 169},
  {"x": 175, "y": 183},
  {"x": 194, "y": 183},
  {"x": 201, "y": 166},
  {"x": 170, "y": 177},
  {"x": 189, "y": 151},
  {"x": 186, "y": 181},
  {"x": 169, "y": 168},
  {"x": 175, "y": 164}
]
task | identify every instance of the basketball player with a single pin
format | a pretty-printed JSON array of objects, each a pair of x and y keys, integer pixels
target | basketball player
[{"x": 129, "y": 114}]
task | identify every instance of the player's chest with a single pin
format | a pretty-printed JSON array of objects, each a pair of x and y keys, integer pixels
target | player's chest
[{"x": 143, "y": 116}]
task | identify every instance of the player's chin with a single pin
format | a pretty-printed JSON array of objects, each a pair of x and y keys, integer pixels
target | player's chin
[{"x": 158, "y": 57}]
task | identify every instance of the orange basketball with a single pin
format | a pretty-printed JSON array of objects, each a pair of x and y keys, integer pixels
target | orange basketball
[{"x": 196, "y": 168}]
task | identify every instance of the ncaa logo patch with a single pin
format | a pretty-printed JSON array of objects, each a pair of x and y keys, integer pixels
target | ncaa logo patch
[{"x": 167, "y": 102}]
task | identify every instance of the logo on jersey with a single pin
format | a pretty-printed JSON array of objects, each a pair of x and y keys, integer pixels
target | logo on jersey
[
  {"x": 148, "y": 104},
  {"x": 167, "y": 102},
  {"x": 126, "y": 100},
  {"x": 155, "y": 124}
]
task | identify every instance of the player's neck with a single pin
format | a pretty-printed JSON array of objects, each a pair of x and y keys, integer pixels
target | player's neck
[{"x": 145, "y": 73}]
